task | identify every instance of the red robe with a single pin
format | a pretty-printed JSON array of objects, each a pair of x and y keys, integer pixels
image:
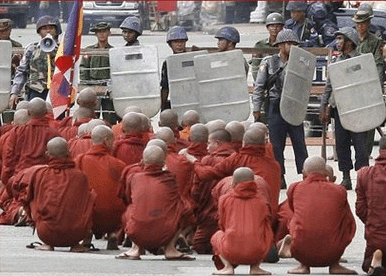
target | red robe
[
  {"x": 322, "y": 225},
  {"x": 129, "y": 148},
  {"x": 181, "y": 143},
  {"x": 60, "y": 202},
  {"x": 79, "y": 145},
  {"x": 245, "y": 222},
  {"x": 269, "y": 150},
  {"x": 371, "y": 206},
  {"x": 155, "y": 210},
  {"x": 68, "y": 132},
  {"x": 51, "y": 121},
  {"x": 27, "y": 147},
  {"x": 117, "y": 130},
  {"x": 185, "y": 133},
  {"x": 103, "y": 172},
  {"x": 198, "y": 150},
  {"x": 252, "y": 156},
  {"x": 284, "y": 216},
  {"x": 237, "y": 145}
]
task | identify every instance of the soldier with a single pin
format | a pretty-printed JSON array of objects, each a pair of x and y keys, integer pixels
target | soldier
[
  {"x": 131, "y": 30},
  {"x": 369, "y": 43},
  {"x": 301, "y": 25},
  {"x": 346, "y": 41},
  {"x": 274, "y": 23},
  {"x": 5, "y": 32},
  {"x": 176, "y": 38},
  {"x": 324, "y": 26},
  {"x": 34, "y": 66},
  {"x": 374, "y": 29},
  {"x": 273, "y": 68},
  {"x": 228, "y": 37}
]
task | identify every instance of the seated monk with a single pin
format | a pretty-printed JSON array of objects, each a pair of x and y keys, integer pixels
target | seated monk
[
  {"x": 103, "y": 171},
  {"x": 147, "y": 130},
  {"x": 236, "y": 130},
  {"x": 214, "y": 125},
  {"x": 268, "y": 145},
  {"x": 117, "y": 128},
  {"x": 322, "y": 225},
  {"x": 169, "y": 118},
  {"x": 81, "y": 116},
  {"x": 59, "y": 199},
  {"x": 245, "y": 222},
  {"x": 156, "y": 213},
  {"x": 370, "y": 208},
  {"x": 198, "y": 139},
  {"x": 129, "y": 148},
  {"x": 189, "y": 118}
]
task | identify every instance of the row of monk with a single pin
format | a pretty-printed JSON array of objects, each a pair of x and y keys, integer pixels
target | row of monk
[{"x": 213, "y": 188}]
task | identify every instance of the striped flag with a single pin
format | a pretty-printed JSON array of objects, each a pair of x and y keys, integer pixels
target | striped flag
[{"x": 65, "y": 79}]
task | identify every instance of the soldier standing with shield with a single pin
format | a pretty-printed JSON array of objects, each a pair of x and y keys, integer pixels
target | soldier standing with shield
[
  {"x": 131, "y": 30},
  {"x": 270, "y": 78},
  {"x": 346, "y": 41}
]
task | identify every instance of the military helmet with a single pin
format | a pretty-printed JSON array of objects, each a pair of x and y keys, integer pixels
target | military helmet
[
  {"x": 274, "y": 18},
  {"x": 286, "y": 35},
  {"x": 48, "y": 21},
  {"x": 318, "y": 11},
  {"x": 349, "y": 33},
  {"x": 296, "y": 6},
  {"x": 132, "y": 23},
  {"x": 176, "y": 33},
  {"x": 366, "y": 7},
  {"x": 364, "y": 13},
  {"x": 100, "y": 26},
  {"x": 5, "y": 24},
  {"x": 228, "y": 33}
]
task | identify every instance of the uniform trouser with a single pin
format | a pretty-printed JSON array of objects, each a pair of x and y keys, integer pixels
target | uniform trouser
[
  {"x": 278, "y": 129},
  {"x": 370, "y": 141},
  {"x": 35, "y": 94},
  {"x": 344, "y": 138}
]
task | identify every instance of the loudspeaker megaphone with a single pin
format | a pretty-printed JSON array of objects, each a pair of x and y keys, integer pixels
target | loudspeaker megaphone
[{"x": 48, "y": 44}]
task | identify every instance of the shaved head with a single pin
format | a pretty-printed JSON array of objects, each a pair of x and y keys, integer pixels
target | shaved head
[
  {"x": 254, "y": 137},
  {"x": 82, "y": 129},
  {"x": 22, "y": 105},
  {"x": 258, "y": 125},
  {"x": 242, "y": 174},
  {"x": 215, "y": 125},
  {"x": 236, "y": 130},
  {"x": 166, "y": 135},
  {"x": 168, "y": 118},
  {"x": 159, "y": 143},
  {"x": 37, "y": 107},
  {"x": 87, "y": 98},
  {"x": 146, "y": 123},
  {"x": 314, "y": 164},
  {"x": 190, "y": 118},
  {"x": 132, "y": 108},
  {"x": 246, "y": 124},
  {"x": 21, "y": 117},
  {"x": 57, "y": 147},
  {"x": 132, "y": 122},
  {"x": 199, "y": 134},
  {"x": 100, "y": 134},
  {"x": 81, "y": 113},
  {"x": 93, "y": 123},
  {"x": 220, "y": 135},
  {"x": 153, "y": 155}
]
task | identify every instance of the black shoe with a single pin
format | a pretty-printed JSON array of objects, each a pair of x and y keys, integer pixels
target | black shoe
[
  {"x": 346, "y": 182},
  {"x": 283, "y": 183}
]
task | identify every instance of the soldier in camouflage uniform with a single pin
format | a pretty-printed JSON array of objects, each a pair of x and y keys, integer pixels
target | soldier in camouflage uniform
[
  {"x": 33, "y": 69},
  {"x": 369, "y": 43},
  {"x": 274, "y": 23}
]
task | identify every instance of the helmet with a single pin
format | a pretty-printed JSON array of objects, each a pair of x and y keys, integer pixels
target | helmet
[
  {"x": 132, "y": 23},
  {"x": 349, "y": 33},
  {"x": 228, "y": 33},
  {"x": 48, "y": 21},
  {"x": 176, "y": 33},
  {"x": 286, "y": 35},
  {"x": 366, "y": 7},
  {"x": 318, "y": 11},
  {"x": 364, "y": 13},
  {"x": 5, "y": 24},
  {"x": 296, "y": 6},
  {"x": 274, "y": 18}
]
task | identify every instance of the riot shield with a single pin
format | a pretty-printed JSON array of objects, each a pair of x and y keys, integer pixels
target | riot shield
[
  {"x": 222, "y": 84},
  {"x": 5, "y": 73},
  {"x": 297, "y": 85},
  {"x": 135, "y": 79},
  {"x": 183, "y": 87},
  {"x": 358, "y": 93}
]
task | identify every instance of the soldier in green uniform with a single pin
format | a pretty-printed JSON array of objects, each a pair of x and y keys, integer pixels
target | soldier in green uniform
[
  {"x": 369, "y": 43},
  {"x": 274, "y": 23}
]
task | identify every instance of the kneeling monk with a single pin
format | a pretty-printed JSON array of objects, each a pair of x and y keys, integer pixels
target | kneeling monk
[
  {"x": 59, "y": 199},
  {"x": 245, "y": 222}
]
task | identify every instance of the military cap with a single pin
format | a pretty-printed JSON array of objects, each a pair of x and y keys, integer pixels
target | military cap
[
  {"x": 100, "y": 26},
  {"x": 286, "y": 35},
  {"x": 362, "y": 16},
  {"x": 5, "y": 24}
]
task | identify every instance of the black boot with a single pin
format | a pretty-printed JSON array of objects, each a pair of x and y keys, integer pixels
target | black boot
[
  {"x": 346, "y": 182},
  {"x": 283, "y": 183}
]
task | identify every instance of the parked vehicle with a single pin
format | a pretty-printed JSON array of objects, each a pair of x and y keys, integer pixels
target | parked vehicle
[{"x": 17, "y": 11}]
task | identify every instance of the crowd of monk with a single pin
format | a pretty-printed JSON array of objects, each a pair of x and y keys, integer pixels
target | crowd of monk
[{"x": 212, "y": 187}]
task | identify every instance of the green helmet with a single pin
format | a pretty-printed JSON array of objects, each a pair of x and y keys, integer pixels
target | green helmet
[
  {"x": 274, "y": 18},
  {"x": 286, "y": 35},
  {"x": 349, "y": 33}
]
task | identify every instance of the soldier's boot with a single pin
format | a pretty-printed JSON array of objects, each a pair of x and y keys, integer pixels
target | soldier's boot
[{"x": 346, "y": 182}]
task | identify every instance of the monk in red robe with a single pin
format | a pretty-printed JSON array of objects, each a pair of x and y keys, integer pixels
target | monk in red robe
[
  {"x": 155, "y": 215},
  {"x": 58, "y": 199},
  {"x": 169, "y": 118},
  {"x": 205, "y": 210},
  {"x": 117, "y": 128},
  {"x": 198, "y": 141},
  {"x": 189, "y": 118},
  {"x": 81, "y": 116},
  {"x": 370, "y": 208},
  {"x": 268, "y": 145},
  {"x": 322, "y": 225},
  {"x": 129, "y": 148},
  {"x": 103, "y": 172},
  {"x": 27, "y": 144},
  {"x": 245, "y": 222},
  {"x": 236, "y": 130},
  {"x": 214, "y": 125}
]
